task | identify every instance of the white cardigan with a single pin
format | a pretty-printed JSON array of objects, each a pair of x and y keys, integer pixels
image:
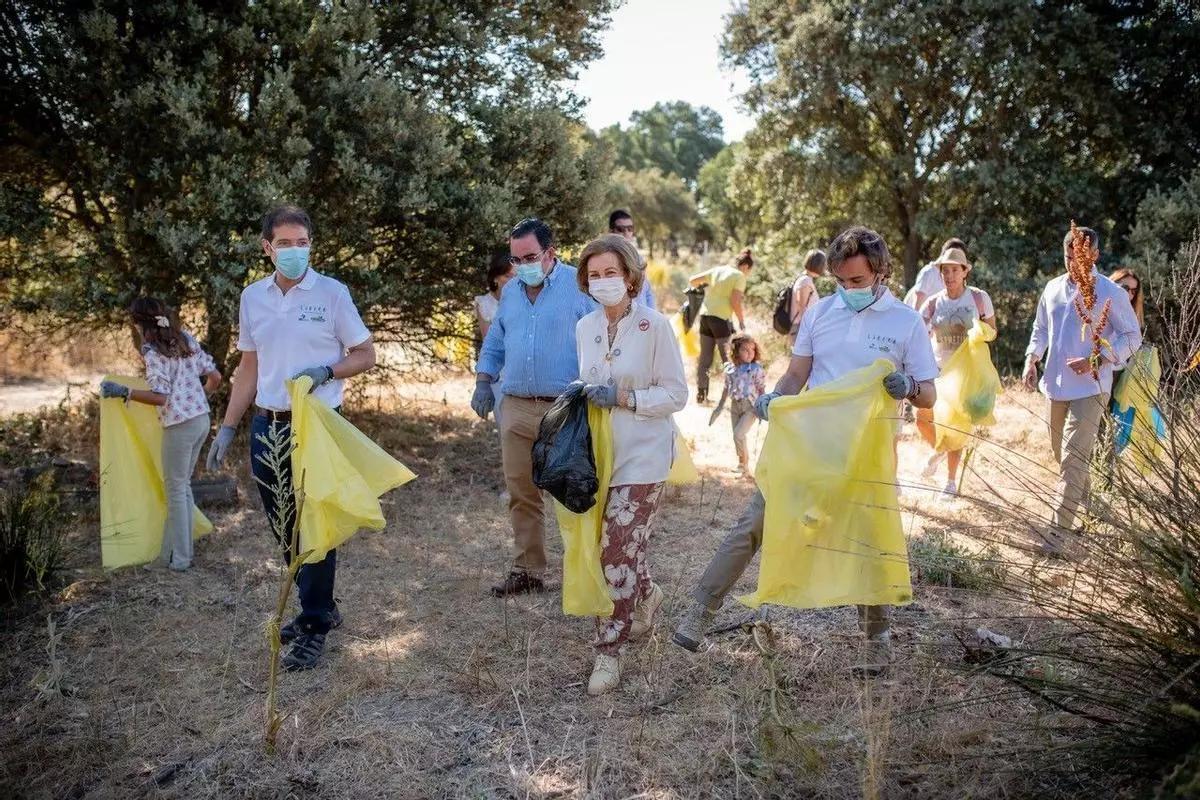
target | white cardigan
[{"x": 644, "y": 358}]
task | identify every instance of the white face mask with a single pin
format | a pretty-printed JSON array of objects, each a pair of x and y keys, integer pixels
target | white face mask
[{"x": 608, "y": 291}]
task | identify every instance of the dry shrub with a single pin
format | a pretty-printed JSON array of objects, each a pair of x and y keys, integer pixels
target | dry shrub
[
  {"x": 1115, "y": 656},
  {"x": 32, "y": 530}
]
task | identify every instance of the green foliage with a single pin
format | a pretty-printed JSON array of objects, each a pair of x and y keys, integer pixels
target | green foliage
[
  {"x": 940, "y": 561},
  {"x": 416, "y": 134},
  {"x": 932, "y": 119},
  {"x": 676, "y": 138},
  {"x": 1167, "y": 219},
  {"x": 32, "y": 529},
  {"x": 727, "y": 200},
  {"x": 662, "y": 205}
]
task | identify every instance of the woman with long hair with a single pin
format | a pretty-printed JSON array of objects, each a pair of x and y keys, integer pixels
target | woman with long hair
[{"x": 181, "y": 376}]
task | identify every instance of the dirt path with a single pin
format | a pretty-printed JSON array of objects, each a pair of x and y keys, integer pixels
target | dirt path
[
  {"x": 143, "y": 683},
  {"x": 22, "y": 396}
]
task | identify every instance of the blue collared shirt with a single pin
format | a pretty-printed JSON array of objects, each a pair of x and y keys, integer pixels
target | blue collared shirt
[{"x": 534, "y": 342}]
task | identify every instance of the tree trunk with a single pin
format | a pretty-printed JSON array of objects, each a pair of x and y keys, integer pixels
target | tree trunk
[{"x": 220, "y": 332}]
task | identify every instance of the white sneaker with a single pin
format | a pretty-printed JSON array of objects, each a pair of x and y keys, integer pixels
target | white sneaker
[
  {"x": 642, "y": 619},
  {"x": 949, "y": 492},
  {"x": 606, "y": 675},
  {"x": 932, "y": 464}
]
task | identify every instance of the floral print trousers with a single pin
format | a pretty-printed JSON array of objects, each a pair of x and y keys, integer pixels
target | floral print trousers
[{"x": 627, "y": 520}]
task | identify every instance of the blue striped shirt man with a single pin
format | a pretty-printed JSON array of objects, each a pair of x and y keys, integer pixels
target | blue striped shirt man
[{"x": 534, "y": 342}]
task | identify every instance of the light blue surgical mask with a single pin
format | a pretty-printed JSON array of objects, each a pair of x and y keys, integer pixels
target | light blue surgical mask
[
  {"x": 291, "y": 261},
  {"x": 858, "y": 299},
  {"x": 531, "y": 274}
]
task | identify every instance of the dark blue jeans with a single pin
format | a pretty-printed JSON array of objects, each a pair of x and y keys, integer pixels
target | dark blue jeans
[{"x": 314, "y": 581}]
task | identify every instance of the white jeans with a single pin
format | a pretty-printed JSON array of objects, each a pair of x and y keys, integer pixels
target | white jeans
[{"x": 180, "y": 448}]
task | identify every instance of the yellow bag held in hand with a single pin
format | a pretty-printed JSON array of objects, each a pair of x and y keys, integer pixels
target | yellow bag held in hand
[
  {"x": 689, "y": 341},
  {"x": 1140, "y": 427},
  {"x": 832, "y": 534},
  {"x": 133, "y": 502},
  {"x": 584, "y": 588},
  {"x": 344, "y": 474},
  {"x": 683, "y": 469},
  {"x": 966, "y": 390}
]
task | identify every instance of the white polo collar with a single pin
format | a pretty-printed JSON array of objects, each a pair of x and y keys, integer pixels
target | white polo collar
[{"x": 306, "y": 283}]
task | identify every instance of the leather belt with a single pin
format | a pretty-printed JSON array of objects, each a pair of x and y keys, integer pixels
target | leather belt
[
  {"x": 271, "y": 414},
  {"x": 535, "y": 398}
]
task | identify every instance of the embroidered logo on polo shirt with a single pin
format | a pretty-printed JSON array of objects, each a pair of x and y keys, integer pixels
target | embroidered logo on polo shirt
[
  {"x": 880, "y": 343},
  {"x": 311, "y": 312}
]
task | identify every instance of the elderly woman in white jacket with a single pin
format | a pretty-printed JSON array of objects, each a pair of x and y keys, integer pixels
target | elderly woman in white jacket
[{"x": 630, "y": 361}]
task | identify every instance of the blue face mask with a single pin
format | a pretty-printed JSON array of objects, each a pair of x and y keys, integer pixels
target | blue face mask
[
  {"x": 291, "y": 261},
  {"x": 857, "y": 299},
  {"x": 531, "y": 274}
]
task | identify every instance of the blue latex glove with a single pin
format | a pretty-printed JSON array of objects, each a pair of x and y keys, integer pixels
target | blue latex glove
[
  {"x": 319, "y": 376},
  {"x": 113, "y": 389},
  {"x": 483, "y": 401},
  {"x": 760, "y": 405},
  {"x": 600, "y": 395},
  {"x": 220, "y": 446},
  {"x": 900, "y": 386}
]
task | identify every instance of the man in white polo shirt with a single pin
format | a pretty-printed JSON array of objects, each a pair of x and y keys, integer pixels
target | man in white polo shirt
[
  {"x": 294, "y": 322},
  {"x": 843, "y": 332}
]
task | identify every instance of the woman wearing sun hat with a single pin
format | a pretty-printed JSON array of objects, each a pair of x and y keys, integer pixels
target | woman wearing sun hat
[{"x": 949, "y": 314}]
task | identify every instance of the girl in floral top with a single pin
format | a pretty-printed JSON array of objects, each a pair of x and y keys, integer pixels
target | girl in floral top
[
  {"x": 745, "y": 381},
  {"x": 181, "y": 376}
]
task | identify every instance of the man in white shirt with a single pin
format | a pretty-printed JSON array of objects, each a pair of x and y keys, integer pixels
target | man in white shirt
[
  {"x": 841, "y": 333},
  {"x": 929, "y": 280},
  {"x": 294, "y": 322},
  {"x": 1078, "y": 399}
]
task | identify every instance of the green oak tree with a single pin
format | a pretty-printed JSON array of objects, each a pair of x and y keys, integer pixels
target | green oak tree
[
  {"x": 676, "y": 138},
  {"x": 142, "y": 142}
]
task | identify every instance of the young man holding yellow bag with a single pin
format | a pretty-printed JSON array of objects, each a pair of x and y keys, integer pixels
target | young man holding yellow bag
[
  {"x": 295, "y": 322},
  {"x": 842, "y": 334}
]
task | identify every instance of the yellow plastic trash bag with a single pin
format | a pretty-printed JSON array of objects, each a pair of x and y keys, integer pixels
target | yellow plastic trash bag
[
  {"x": 683, "y": 469},
  {"x": 584, "y": 588},
  {"x": 832, "y": 534},
  {"x": 689, "y": 341},
  {"x": 133, "y": 502},
  {"x": 1140, "y": 428},
  {"x": 966, "y": 390},
  {"x": 344, "y": 473}
]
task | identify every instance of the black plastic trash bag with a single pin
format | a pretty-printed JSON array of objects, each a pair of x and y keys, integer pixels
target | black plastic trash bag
[
  {"x": 692, "y": 300},
  {"x": 563, "y": 464}
]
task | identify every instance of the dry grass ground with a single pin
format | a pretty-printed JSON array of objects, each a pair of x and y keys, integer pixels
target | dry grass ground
[{"x": 141, "y": 683}]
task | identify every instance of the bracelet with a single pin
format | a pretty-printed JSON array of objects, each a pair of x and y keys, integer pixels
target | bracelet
[{"x": 916, "y": 391}]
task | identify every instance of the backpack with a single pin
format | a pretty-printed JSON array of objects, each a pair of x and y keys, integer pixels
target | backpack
[{"x": 781, "y": 318}]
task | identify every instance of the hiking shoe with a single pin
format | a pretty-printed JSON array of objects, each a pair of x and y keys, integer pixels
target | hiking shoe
[
  {"x": 642, "y": 619},
  {"x": 290, "y": 631},
  {"x": 518, "y": 582},
  {"x": 305, "y": 652},
  {"x": 876, "y": 656},
  {"x": 949, "y": 492},
  {"x": 606, "y": 675},
  {"x": 691, "y": 629}
]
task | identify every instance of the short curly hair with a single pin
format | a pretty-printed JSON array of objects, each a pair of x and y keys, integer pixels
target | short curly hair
[
  {"x": 859, "y": 240},
  {"x": 625, "y": 252}
]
